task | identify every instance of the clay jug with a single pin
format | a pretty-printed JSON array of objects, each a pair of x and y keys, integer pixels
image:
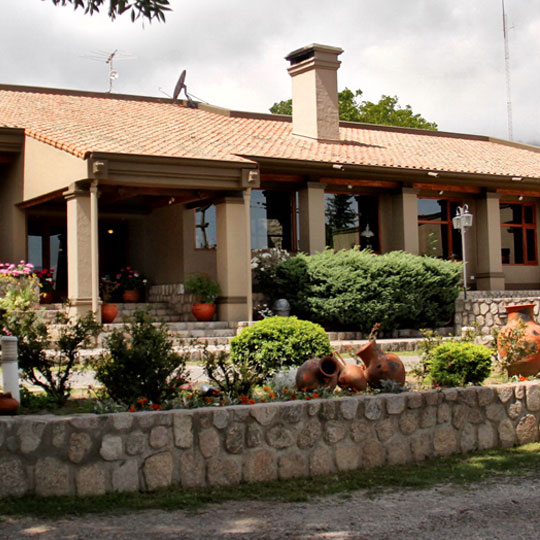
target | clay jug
[
  {"x": 8, "y": 404},
  {"x": 108, "y": 313},
  {"x": 381, "y": 365},
  {"x": 317, "y": 372},
  {"x": 352, "y": 377},
  {"x": 529, "y": 364}
]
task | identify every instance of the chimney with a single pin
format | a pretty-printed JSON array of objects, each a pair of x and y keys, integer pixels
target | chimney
[{"x": 313, "y": 71}]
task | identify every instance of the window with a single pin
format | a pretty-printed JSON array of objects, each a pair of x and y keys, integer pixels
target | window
[
  {"x": 352, "y": 220},
  {"x": 436, "y": 236},
  {"x": 274, "y": 219},
  {"x": 518, "y": 233},
  {"x": 205, "y": 227}
]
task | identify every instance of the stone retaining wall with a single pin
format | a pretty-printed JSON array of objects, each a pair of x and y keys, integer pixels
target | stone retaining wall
[
  {"x": 95, "y": 454},
  {"x": 487, "y": 308}
]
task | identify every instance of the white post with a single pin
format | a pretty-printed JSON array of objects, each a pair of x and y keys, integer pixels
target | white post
[
  {"x": 249, "y": 285},
  {"x": 94, "y": 232},
  {"x": 10, "y": 367},
  {"x": 464, "y": 260}
]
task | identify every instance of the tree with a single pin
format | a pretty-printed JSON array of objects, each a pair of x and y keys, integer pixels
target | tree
[
  {"x": 148, "y": 9},
  {"x": 387, "y": 111}
]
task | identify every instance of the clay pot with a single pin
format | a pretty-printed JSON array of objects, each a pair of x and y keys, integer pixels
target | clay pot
[
  {"x": 529, "y": 365},
  {"x": 8, "y": 404},
  {"x": 352, "y": 377},
  {"x": 131, "y": 296},
  {"x": 46, "y": 298},
  {"x": 108, "y": 313},
  {"x": 317, "y": 372},
  {"x": 380, "y": 365},
  {"x": 203, "y": 312}
]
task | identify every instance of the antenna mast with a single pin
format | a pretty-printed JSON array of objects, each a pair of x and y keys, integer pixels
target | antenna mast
[
  {"x": 507, "y": 69},
  {"x": 112, "y": 73}
]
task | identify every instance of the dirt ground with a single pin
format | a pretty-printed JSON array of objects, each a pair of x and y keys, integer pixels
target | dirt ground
[{"x": 505, "y": 509}]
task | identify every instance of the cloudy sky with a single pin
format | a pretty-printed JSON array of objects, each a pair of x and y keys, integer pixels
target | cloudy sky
[{"x": 443, "y": 57}]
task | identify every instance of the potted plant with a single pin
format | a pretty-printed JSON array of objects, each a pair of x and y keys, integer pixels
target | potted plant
[
  {"x": 109, "y": 311},
  {"x": 46, "y": 284},
  {"x": 130, "y": 282},
  {"x": 205, "y": 290}
]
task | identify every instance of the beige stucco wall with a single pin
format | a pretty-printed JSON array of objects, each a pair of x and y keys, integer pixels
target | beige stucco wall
[
  {"x": 155, "y": 245},
  {"x": 48, "y": 169},
  {"x": 12, "y": 220},
  {"x": 196, "y": 260}
]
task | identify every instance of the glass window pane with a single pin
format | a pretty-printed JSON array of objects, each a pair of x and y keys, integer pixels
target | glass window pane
[
  {"x": 431, "y": 210},
  {"x": 512, "y": 245},
  {"x": 35, "y": 251},
  {"x": 531, "y": 244},
  {"x": 205, "y": 227},
  {"x": 528, "y": 211},
  {"x": 433, "y": 240},
  {"x": 341, "y": 217},
  {"x": 368, "y": 217},
  {"x": 271, "y": 219},
  {"x": 510, "y": 213}
]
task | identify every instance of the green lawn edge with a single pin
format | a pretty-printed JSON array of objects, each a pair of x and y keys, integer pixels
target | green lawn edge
[{"x": 457, "y": 470}]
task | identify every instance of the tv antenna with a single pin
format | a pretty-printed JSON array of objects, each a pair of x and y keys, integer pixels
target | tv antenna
[
  {"x": 109, "y": 58},
  {"x": 507, "y": 70}
]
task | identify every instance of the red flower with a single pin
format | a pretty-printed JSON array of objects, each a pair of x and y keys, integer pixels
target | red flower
[
  {"x": 156, "y": 406},
  {"x": 522, "y": 378},
  {"x": 132, "y": 409},
  {"x": 142, "y": 400}
]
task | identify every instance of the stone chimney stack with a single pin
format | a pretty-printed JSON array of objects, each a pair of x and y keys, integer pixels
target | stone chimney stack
[{"x": 313, "y": 71}]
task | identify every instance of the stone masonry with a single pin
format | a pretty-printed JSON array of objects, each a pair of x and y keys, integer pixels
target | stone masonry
[
  {"x": 96, "y": 454},
  {"x": 487, "y": 308}
]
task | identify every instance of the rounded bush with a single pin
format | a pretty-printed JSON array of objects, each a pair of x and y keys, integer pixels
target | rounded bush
[
  {"x": 458, "y": 364},
  {"x": 277, "y": 342}
]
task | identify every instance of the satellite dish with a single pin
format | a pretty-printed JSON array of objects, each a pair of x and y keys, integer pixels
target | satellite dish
[{"x": 180, "y": 85}]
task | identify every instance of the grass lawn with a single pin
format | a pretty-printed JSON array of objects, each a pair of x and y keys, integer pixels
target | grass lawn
[{"x": 458, "y": 470}]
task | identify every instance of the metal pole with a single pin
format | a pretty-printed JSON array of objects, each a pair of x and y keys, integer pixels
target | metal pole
[
  {"x": 94, "y": 247},
  {"x": 249, "y": 292},
  {"x": 10, "y": 366},
  {"x": 464, "y": 259}
]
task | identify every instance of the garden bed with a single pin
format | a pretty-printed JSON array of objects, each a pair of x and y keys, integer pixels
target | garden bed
[{"x": 95, "y": 454}]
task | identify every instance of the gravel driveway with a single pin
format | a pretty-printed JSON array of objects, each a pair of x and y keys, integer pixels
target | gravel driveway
[{"x": 495, "y": 510}]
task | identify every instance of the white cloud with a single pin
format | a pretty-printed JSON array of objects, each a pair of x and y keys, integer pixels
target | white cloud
[{"x": 443, "y": 57}]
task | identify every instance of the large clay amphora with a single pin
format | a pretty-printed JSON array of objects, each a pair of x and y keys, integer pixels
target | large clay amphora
[
  {"x": 381, "y": 365},
  {"x": 522, "y": 316},
  {"x": 317, "y": 372}
]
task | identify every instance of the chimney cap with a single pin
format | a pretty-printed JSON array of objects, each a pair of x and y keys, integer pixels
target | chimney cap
[{"x": 309, "y": 51}]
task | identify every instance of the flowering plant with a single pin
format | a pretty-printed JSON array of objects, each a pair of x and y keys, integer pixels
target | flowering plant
[
  {"x": 107, "y": 288},
  {"x": 129, "y": 279},
  {"x": 264, "y": 266},
  {"x": 16, "y": 270},
  {"x": 46, "y": 279}
]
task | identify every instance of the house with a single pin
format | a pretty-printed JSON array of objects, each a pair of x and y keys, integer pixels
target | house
[{"x": 91, "y": 182}]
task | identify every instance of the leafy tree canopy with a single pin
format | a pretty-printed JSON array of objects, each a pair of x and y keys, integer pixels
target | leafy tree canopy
[
  {"x": 148, "y": 9},
  {"x": 387, "y": 111}
]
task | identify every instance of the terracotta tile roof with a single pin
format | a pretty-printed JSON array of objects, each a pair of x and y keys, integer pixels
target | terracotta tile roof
[{"x": 81, "y": 123}]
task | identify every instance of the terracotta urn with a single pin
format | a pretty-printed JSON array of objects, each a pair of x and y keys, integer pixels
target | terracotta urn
[
  {"x": 108, "y": 313},
  {"x": 352, "y": 377},
  {"x": 8, "y": 404},
  {"x": 522, "y": 316},
  {"x": 380, "y": 365},
  {"x": 317, "y": 372},
  {"x": 203, "y": 312},
  {"x": 131, "y": 296}
]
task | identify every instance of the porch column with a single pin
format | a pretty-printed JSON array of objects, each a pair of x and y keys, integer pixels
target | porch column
[
  {"x": 312, "y": 222},
  {"x": 405, "y": 211},
  {"x": 232, "y": 256},
  {"x": 79, "y": 250},
  {"x": 489, "y": 271}
]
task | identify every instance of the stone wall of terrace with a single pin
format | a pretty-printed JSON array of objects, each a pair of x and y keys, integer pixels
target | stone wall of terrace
[
  {"x": 487, "y": 308},
  {"x": 95, "y": 454}
]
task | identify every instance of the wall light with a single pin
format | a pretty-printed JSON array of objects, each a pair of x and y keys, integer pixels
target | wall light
[
  {"x": 338, "y": 166},
  {"x": 110, "y": 231},
  {"x": 520, "y": 198},
  {"x": 517, "y": 178},
  {"x": 433, "y": 173}
]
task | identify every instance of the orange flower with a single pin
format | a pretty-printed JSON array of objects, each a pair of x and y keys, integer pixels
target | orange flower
[
  {"x": 315, "y": 395},
  {"x": 263, "y": 400},
  {"x": 207, "y": 400},
  {"x": 309, "y": 398},
  {"x": 271, "y": 395},
  {"x": 132, "y": 408},
  {"x": 251, "y": 402},
  {"x": 243, "y": 399},
  {"x": 266, "y": 388},
  {"x": 142, "y": 400},
  {"x": 522, "y": 378},
  {"x": 285, "y": 390}
]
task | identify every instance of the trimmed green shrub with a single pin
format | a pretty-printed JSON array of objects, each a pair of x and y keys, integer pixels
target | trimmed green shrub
[
  {"x": 458, "y": 363},
  {"x": 356, "y": 289},
  {"x": 277, "y": 342},
  {"x": 140, "y": 362}
]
